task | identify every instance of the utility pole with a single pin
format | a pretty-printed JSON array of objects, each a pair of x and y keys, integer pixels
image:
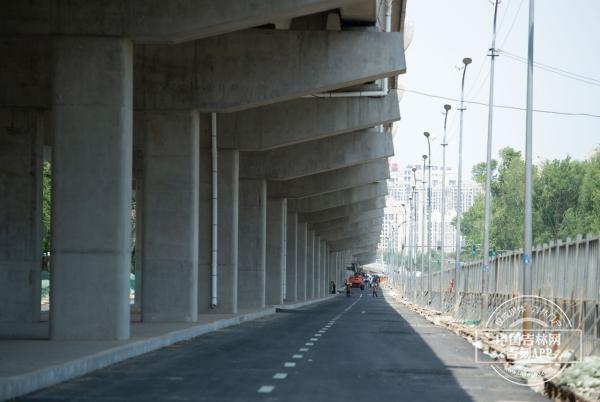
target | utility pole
[
  {"x": 442, "y": 251},
  {"x": 429, "y": 279},
  {"x": 528, "y": 241},
  {"x": 423, "y": 231},
  {"x": 415, "y": 237},
  {"x": 488, "y": 166},
  {"x": 466, "y": 62}
]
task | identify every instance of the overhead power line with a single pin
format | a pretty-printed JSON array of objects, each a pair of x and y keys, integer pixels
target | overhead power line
[
  {"x": 552, "y": 69},
  {"x": 447, "y": 98}
]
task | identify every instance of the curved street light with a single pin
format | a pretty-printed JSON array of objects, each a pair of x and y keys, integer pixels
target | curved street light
[{"x": 466, "y": 62}]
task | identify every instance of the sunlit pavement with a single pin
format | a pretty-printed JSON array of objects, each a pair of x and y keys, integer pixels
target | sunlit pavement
[{"x": 348, "y": 349}]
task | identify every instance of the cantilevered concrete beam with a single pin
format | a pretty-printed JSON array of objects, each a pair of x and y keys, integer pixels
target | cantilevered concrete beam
[
  {"x": 366, "y": 258},
  {"x": 354, "y": 242},
  {"x": 305, "y": 119},
  {"x": 346, "y": 210},
  {"x": 257, "y": 67},
  {"x": 340, "y": 223},
  {"x": 318, "y": 156},
  {"x": 339, "y": 198},
  {"x": 331, "y": 181},
  {"x": 358, "y": 227},
  {"x": 368, "y": 248},
  {"x": 338, "y": 235},
  {"x": 151, "y": 21}
]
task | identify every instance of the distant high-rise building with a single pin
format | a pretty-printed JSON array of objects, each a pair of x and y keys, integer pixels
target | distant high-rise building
[{"x": 397, "y": 218}]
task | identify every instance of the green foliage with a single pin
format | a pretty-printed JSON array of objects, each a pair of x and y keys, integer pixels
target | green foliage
[
  {"x": 566, "y": 201},
  {"x": 479, "y": 171},
  {"x": 46, "y": 204},
  {"x": 556, "y": 191},
  {"x": 584, "y": 217}
]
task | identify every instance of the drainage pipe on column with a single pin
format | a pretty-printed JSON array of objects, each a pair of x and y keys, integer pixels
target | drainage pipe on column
[{"x": 215, "y": 223}]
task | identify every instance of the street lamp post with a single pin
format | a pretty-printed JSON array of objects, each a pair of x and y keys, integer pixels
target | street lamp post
[
  {"x": 423, "y": 229},
  {"x": 466, "y": 62},
  {"x": 444, "y": 144},
  {"x": 429, "y": 279}
]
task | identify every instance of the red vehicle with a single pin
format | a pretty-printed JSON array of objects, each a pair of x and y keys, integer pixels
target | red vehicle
[{"x": 355, "y": 280}]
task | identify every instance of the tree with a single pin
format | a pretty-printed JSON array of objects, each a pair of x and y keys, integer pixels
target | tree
[
  {"x": 584, "y": 217},
  {"x": 479, "y": 171},
  {"x": 566, "y": 201},
  {"x": 556, "y": 190},
  {"x": 506, "y": 229}
]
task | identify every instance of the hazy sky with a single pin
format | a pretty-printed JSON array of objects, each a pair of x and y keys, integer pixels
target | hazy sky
[{"x": 567, "y": 36}]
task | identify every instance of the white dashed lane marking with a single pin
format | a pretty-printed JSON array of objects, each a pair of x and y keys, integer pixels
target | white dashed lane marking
[{"x": 266, "y": 389}]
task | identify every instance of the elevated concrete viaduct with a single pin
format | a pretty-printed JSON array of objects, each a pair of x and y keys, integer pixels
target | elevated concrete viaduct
[{"x": 248, "y": 140}]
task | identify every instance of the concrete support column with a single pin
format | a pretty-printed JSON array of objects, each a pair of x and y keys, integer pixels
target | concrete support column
[
  {"x": 252, "y": 243},
  {"x": 227, "y": 275},
  {"x": 92, "y": 175},
  {"x": 276, "y": 249},
  {"x": 301, "y": 264},
  {"x": 317, "y": 270},
  {"x": 170, "y": 215},
  {"x": 21, "y": 154},
  {"x": 331, "y": 268},
  {"x": 342, "y": 267},
  {"x": 324, "y": 268},
  {"x": 336, "y": 269},
  {"x": 310, "y": 265},
  {"x": 291, "y": 255},
  {"x": 227, "y": 237}
]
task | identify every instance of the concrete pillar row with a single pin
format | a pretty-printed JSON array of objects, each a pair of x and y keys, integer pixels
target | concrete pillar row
[
  {"x": 291, "y": 255},
  {"x": 92, "y": 176},
  {"x": 310, "y": 265},
  {"x": 227, "y": 235},
  {"x": 301, "y": 258},
  {"x": 252, "y": 243},
  {"x": 170, "y": 215},
  {"x": 276, "y": 250}
]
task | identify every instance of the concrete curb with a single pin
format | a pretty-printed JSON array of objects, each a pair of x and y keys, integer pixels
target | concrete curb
[
  {"x": 11, "y": 387},
  {"x": 304, "y": 303}
]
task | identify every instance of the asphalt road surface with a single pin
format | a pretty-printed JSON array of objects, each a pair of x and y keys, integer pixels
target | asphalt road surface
[{"x": 345, "y": 349}]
